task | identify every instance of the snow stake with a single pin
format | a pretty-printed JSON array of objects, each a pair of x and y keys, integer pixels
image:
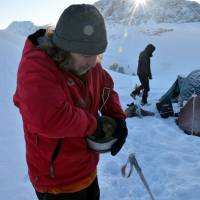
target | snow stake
[{"x": 132, "y": 162}]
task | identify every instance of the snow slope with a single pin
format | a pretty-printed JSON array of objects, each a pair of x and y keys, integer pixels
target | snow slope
[{"x": 14, "y": 182}]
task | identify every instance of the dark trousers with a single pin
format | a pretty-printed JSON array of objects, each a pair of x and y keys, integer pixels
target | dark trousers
[
  {"x": 144, "y": 86},
  {"x": 90, "y": 193}
]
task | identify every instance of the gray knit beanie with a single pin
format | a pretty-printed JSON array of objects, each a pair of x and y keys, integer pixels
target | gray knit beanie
[{"x": 81, "y": 29}]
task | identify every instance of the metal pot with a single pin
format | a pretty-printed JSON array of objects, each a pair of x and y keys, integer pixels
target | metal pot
[{"x": 103, "y": 144}]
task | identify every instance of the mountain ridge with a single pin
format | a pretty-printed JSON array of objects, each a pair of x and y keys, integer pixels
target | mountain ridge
[
  {"x": 23, "y": 28},
  {"x": 158, "y": 11}
]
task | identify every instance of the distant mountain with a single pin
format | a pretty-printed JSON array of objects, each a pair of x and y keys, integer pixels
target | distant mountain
[
  {"x": 24, "y": 28},
  {"x": 159, "y": 11}
]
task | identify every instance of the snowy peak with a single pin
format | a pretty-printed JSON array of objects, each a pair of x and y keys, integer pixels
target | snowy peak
[
  {"x": 159, "y": 11},
  {"x": 23, "y": 28}
]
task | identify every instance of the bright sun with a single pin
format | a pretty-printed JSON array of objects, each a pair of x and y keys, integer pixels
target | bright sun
[{"x": 140, "y": 2}]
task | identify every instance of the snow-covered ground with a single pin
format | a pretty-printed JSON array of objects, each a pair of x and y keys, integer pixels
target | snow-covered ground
[{"x": 169, "y": 158}]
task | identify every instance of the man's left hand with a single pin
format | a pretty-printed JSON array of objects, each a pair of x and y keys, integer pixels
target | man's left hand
[{"x": 121, "y": 133}]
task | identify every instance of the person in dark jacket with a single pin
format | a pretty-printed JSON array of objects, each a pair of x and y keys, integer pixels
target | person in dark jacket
[
  {"x": 144, "y": 72},
  {"x": 61, "y": 88}
]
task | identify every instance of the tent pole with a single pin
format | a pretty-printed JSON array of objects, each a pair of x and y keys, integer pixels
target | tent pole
[{"x": 193, "y": 110}]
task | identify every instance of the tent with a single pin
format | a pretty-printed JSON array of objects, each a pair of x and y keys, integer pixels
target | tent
[
  {"x": 181, "y": 90},
  {"x": 189, "y": 116},
  {"x": 164, "y": 105},
  {"x": 189, "y": 86}
]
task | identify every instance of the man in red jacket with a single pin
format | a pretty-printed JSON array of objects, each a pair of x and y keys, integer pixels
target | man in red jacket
[{"x": 61, "y": 86}]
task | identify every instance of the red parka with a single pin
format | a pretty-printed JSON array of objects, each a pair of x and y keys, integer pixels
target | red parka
[{"x": 58, "y": 112}]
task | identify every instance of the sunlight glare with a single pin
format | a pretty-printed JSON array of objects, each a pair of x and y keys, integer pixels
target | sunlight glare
[
  {"x": 140, "y": 2},
  {"x": 120, "y": 50}
]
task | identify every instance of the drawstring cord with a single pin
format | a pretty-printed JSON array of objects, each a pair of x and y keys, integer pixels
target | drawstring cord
[{"x": 104, "y": 97}]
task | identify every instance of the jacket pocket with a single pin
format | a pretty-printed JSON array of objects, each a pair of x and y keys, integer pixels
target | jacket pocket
[{"x": 54, "y": 156}]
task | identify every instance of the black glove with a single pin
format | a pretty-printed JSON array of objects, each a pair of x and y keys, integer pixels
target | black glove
[{"x": 121, "y": 133}]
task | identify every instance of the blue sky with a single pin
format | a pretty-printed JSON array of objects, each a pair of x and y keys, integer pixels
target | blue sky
[{"x": 38, "y": 11}]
